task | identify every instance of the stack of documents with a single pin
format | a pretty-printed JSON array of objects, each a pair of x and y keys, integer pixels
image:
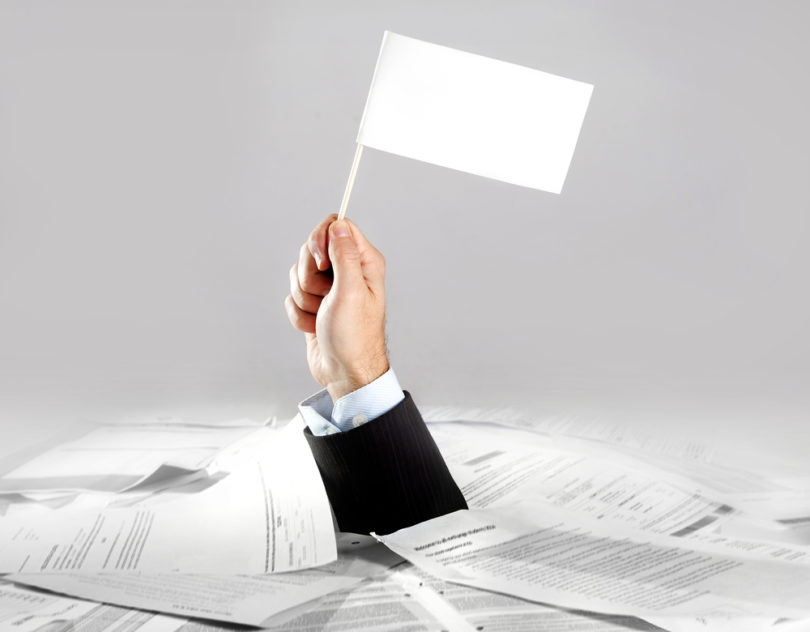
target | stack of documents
[
  {"x": 182, "y": 519},
  {"x": 573, "y": 525}
]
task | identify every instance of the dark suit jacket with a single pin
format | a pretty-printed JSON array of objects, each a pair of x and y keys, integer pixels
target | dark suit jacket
[{"x": 386, "y": 474}]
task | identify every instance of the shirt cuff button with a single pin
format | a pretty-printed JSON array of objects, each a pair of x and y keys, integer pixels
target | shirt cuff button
[{"x": 358, "y": 420}]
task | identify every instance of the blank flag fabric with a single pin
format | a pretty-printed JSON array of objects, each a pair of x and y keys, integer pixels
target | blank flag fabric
[{"x": 473, "y": 113}]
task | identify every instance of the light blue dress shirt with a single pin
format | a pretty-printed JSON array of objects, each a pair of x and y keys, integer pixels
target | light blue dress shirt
[{"x": 358, "y": 407}]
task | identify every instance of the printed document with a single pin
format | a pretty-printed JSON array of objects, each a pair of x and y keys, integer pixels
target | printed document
[
  {"x": 571, "y": 562},
  {"x": 116, "y": 458},
  {"x": 24, "y": 610},
  {"x": 269, "y": 515},
  {"x": 408, "y": 599},
  {"x": 246, "y": 599},
  {"x": 497, "y": 467}
]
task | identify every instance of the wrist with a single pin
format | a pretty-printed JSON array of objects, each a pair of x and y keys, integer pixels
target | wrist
[{"x": 351, "y": 381}]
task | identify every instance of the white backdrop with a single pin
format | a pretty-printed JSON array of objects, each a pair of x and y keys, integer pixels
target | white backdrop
[{"x": 161, "y": 162}]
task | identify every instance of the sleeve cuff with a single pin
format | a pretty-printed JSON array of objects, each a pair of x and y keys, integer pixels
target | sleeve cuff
[{"x": 352, "y": 410}]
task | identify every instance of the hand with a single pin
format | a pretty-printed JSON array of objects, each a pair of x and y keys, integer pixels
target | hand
[{"x": 337, "y": 298}]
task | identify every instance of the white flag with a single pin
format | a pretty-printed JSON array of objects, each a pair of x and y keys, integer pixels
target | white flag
[{"x": 472, "y": 113}]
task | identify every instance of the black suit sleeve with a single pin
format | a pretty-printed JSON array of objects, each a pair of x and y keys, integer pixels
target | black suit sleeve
[{"x": 386, "y": 474}]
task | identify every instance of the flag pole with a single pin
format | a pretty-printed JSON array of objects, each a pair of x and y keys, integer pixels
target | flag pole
[{"x": 347, "y": 194}]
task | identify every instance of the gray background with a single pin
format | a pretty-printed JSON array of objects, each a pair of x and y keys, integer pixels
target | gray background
[{"x": 161, "y": 162}]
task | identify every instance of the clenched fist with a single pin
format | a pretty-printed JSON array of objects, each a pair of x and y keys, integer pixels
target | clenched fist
[{"x": 337, "y": 298}]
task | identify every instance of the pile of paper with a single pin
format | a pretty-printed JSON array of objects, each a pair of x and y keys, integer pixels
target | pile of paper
[
  {"x": 589, "y": 518},
  {"x": 572, "y": 526},
  {"x": 182, "y": 519}
]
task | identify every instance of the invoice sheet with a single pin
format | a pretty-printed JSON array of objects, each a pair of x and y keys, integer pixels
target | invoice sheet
[
  {"x": 497, "y": 467},
  {"x": 269, "y": 515},
  {"x": 246, "y": 599},
  {"x": 116, "y": 458},
  {"x": 558, "y": 558},
  {"x": 26, "y": 610}
]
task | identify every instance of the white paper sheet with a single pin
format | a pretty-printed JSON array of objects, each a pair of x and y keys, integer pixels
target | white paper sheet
[
  {"x": 246, "y": 599},
  {"x": 618, "y": 437},
  {"x": 497, "y": 467},
  {"x": 719, "y": 622},
  {"x": 115, "y": 458},
  {"x": 792, "y": 626},
  {"x": 473, "y": 113},
  {"x": 775, "y": 508},
  {"x": 756, "y": 549},
  {"x": 494, "y": 612},
  {"x": 377, "y": 605},
  {"x": 788, "y": 507},
  {"x": 271, "y": 515},
  {"x": 589, "y": 565},
  {"x": 26, "y": 610},
  {"x": 408, "y": 599}
]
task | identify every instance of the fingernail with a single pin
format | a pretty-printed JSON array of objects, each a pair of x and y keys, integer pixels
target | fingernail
[
  {"x": 318, "y": 258},
  {"x": 341, "y": 228}
]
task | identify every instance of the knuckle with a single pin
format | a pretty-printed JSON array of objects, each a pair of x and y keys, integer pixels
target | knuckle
[
  {"x": 310, "y": 303},
  {"x": 298, "y": 319},
  {"x": 307, "y": 284},
  {"x": 349, "y": 255},
  {"x": 304, "y": 323},
  {"x": 297, "y": 296}
]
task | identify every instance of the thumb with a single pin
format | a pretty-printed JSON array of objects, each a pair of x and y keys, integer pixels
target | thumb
[{"x": 345, "y": 257}]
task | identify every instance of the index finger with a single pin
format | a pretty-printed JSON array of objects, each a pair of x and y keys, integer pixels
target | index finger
[
  {"x": 318, "y": 242},
  {"x": 310, "y": 279}
]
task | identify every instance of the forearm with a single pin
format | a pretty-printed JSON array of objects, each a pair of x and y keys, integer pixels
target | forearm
[{"x": 386, "y": 474}]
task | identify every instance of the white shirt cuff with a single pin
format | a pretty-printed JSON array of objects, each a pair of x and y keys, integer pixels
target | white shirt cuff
[{"x": 352, "y": 410}]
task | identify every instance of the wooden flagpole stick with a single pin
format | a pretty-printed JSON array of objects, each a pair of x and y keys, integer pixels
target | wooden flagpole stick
[{"x": 347, "y": 194}]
